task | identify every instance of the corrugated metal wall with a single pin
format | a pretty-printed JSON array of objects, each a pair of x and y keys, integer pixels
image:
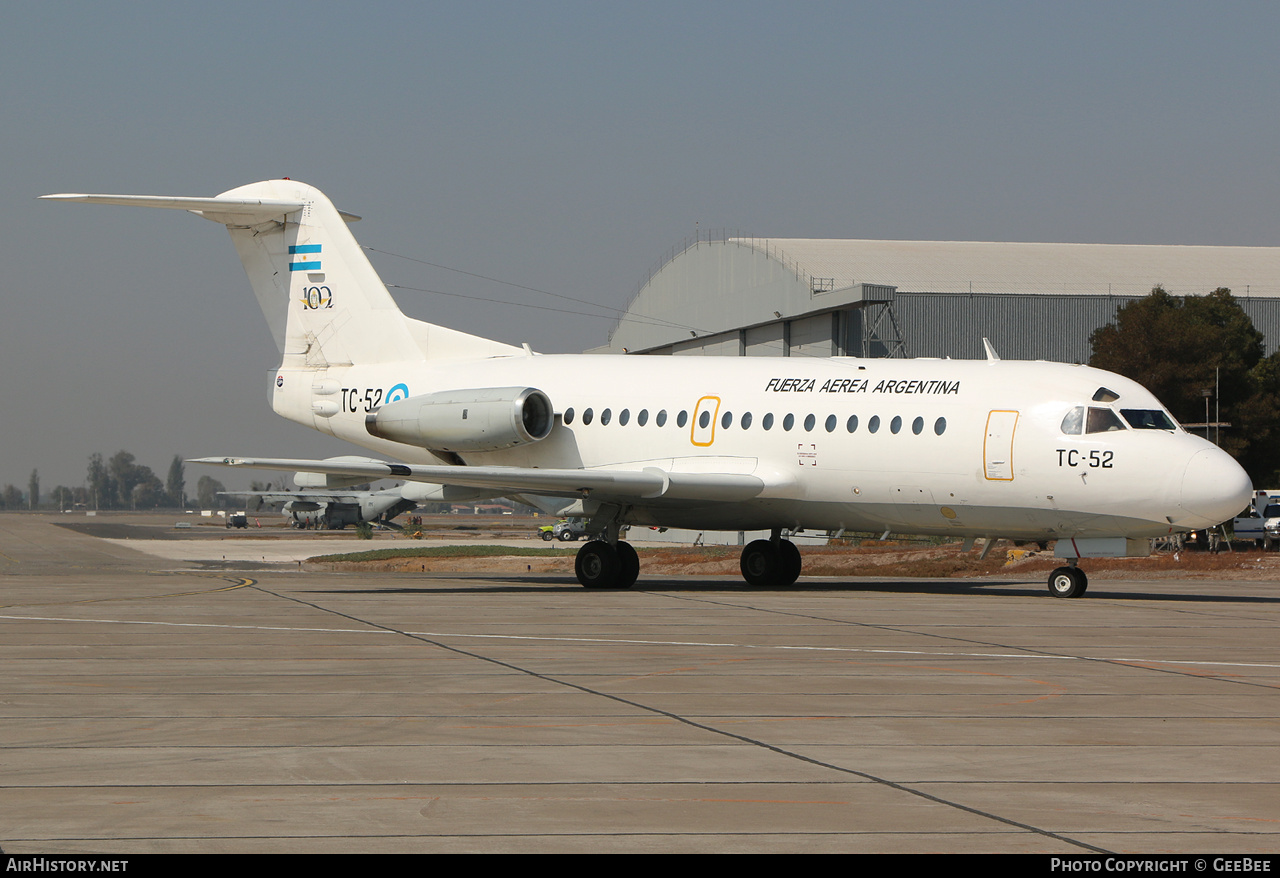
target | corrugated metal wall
[{"x": 1022, "y": 327}]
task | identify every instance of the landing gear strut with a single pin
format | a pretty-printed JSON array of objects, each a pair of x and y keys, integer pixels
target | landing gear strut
[
  {"x": 1068, "y": 582},
  {"x": 772, "y": 562}
]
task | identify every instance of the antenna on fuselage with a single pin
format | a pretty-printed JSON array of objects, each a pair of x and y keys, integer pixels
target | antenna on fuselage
[{"x": 992, "y": 356}]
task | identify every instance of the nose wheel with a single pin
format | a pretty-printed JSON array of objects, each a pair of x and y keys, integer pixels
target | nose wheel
[{"x": 1068, "y": 582}]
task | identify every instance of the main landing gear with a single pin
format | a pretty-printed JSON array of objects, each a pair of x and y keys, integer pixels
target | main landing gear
[
  {"x": 601, "y": 565},
  {"x": 774, "y": 561},
  {"x": 1068, "y": 582}
]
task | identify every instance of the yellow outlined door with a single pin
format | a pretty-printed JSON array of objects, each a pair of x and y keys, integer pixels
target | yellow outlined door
[
  {"x": 703, "y": 431},
  {"x": 997, "y": 448}
]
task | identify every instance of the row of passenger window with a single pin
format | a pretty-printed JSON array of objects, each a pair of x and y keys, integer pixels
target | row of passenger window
[{"x": 746, "y": 420}]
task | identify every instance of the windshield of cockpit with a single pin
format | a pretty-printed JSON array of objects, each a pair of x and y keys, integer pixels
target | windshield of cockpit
[{"x": 1103, "y": 419}]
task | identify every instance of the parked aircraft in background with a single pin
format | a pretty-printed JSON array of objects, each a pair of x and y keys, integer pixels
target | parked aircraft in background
[
  {"x": 331, "y": 511},
  {"x": 975, "y": 449}
]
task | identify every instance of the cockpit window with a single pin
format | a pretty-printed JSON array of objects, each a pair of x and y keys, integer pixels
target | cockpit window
[
  {"x": 1148, "y": 419},
  {"x": 1102, "y": 420},
  {"x": 1073, "y": 423},
  {"x": 1102, "y": 394}
]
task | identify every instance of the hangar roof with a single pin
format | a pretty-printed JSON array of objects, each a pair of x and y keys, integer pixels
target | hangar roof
[
  {"x": 723, "y": 283},
  {"x": 1073, "y": 269}
]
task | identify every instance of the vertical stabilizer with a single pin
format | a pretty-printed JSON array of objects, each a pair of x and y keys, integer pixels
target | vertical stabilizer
[{"x": 324, "y": 303}]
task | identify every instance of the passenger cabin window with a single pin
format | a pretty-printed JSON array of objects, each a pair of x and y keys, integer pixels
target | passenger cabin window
[{"x": 1148, "y": 419}]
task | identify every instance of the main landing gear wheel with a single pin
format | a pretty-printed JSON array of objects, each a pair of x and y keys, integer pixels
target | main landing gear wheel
[
  {"x": 628, "y": 565},
  {"x": 1068, "y": 582},
  {"x": 600, "y": 565},
  {"x": 763, "y": 563}
]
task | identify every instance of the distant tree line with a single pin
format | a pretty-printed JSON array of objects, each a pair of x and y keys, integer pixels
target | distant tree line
[{"x": 117, "y": 483}]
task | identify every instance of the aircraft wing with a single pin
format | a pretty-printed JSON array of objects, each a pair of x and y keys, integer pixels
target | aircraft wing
[
  {"x": 312, "y": 496},
  {"x": 649, "y": 483}
]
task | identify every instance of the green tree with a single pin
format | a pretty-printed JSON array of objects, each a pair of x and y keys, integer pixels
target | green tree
[
  {"x": 124, "y": 475},
  {"x": 12, "y": 497},
  {"x": 207, "y": 489},
  {"x": 1182, "y": 348},
  {"x": 102, "y": 489},
  {"x": 175, "y": 483},
  {"x": 62, "y": 497}
]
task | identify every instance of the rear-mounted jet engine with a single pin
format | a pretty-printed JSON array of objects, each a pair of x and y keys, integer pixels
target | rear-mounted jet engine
[{"x": 485, "y": 419}]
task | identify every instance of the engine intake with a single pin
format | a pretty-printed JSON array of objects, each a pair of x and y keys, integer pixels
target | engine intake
[{"x": 484, "y": 419}]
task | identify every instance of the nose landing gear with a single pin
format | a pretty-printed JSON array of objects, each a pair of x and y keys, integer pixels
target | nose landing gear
[{"x": 1068, "y": 582}]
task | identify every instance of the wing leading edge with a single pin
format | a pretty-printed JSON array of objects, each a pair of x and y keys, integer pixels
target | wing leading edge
[{"x": 650, "y": 483}]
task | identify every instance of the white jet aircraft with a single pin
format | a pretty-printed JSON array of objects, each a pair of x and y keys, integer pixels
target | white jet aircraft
[
  {"x": 327, "y": 501},
  {"x": 1030, "y": 451}
]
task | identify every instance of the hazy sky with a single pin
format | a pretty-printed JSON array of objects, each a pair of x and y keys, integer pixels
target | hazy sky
[{"x": 565, "y": 147}]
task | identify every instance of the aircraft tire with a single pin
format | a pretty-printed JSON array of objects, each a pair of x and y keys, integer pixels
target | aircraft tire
[
  {"x": 790, "y": 563},
  {"x": 597, "y": 565},
  {"x": 628, "y": 565},
  {"x": 1068, "y": 582},
  {"x": 760, "y": 563}
]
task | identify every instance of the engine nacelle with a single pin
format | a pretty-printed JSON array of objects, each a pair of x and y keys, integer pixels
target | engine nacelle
[{"x": 484, "y": 419}]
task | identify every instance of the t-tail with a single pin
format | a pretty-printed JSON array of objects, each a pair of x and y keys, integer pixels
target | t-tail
[{"x": 324, "y": 303}]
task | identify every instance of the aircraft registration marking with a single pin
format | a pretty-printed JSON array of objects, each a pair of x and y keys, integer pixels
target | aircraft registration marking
[{"x": 1074, "y": 457}]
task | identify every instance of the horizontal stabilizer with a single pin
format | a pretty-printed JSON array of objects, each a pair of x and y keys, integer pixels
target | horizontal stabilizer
[
  {"x": 648, "y": 483},
  {"x": 219, "y": 208}
]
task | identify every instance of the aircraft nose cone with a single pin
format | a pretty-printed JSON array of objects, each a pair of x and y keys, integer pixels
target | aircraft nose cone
[{"x": 1214, "y": 487}]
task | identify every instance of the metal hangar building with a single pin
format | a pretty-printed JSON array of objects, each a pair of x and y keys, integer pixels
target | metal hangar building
[{"x": 737, "y": 296}]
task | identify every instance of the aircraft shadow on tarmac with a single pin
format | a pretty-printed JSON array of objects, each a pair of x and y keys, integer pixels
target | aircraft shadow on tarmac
[{"x": 990, "y": 588}]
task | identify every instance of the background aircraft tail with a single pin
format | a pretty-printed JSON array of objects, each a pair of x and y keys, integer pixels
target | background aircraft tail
[{"x": 324, "y": 303}]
